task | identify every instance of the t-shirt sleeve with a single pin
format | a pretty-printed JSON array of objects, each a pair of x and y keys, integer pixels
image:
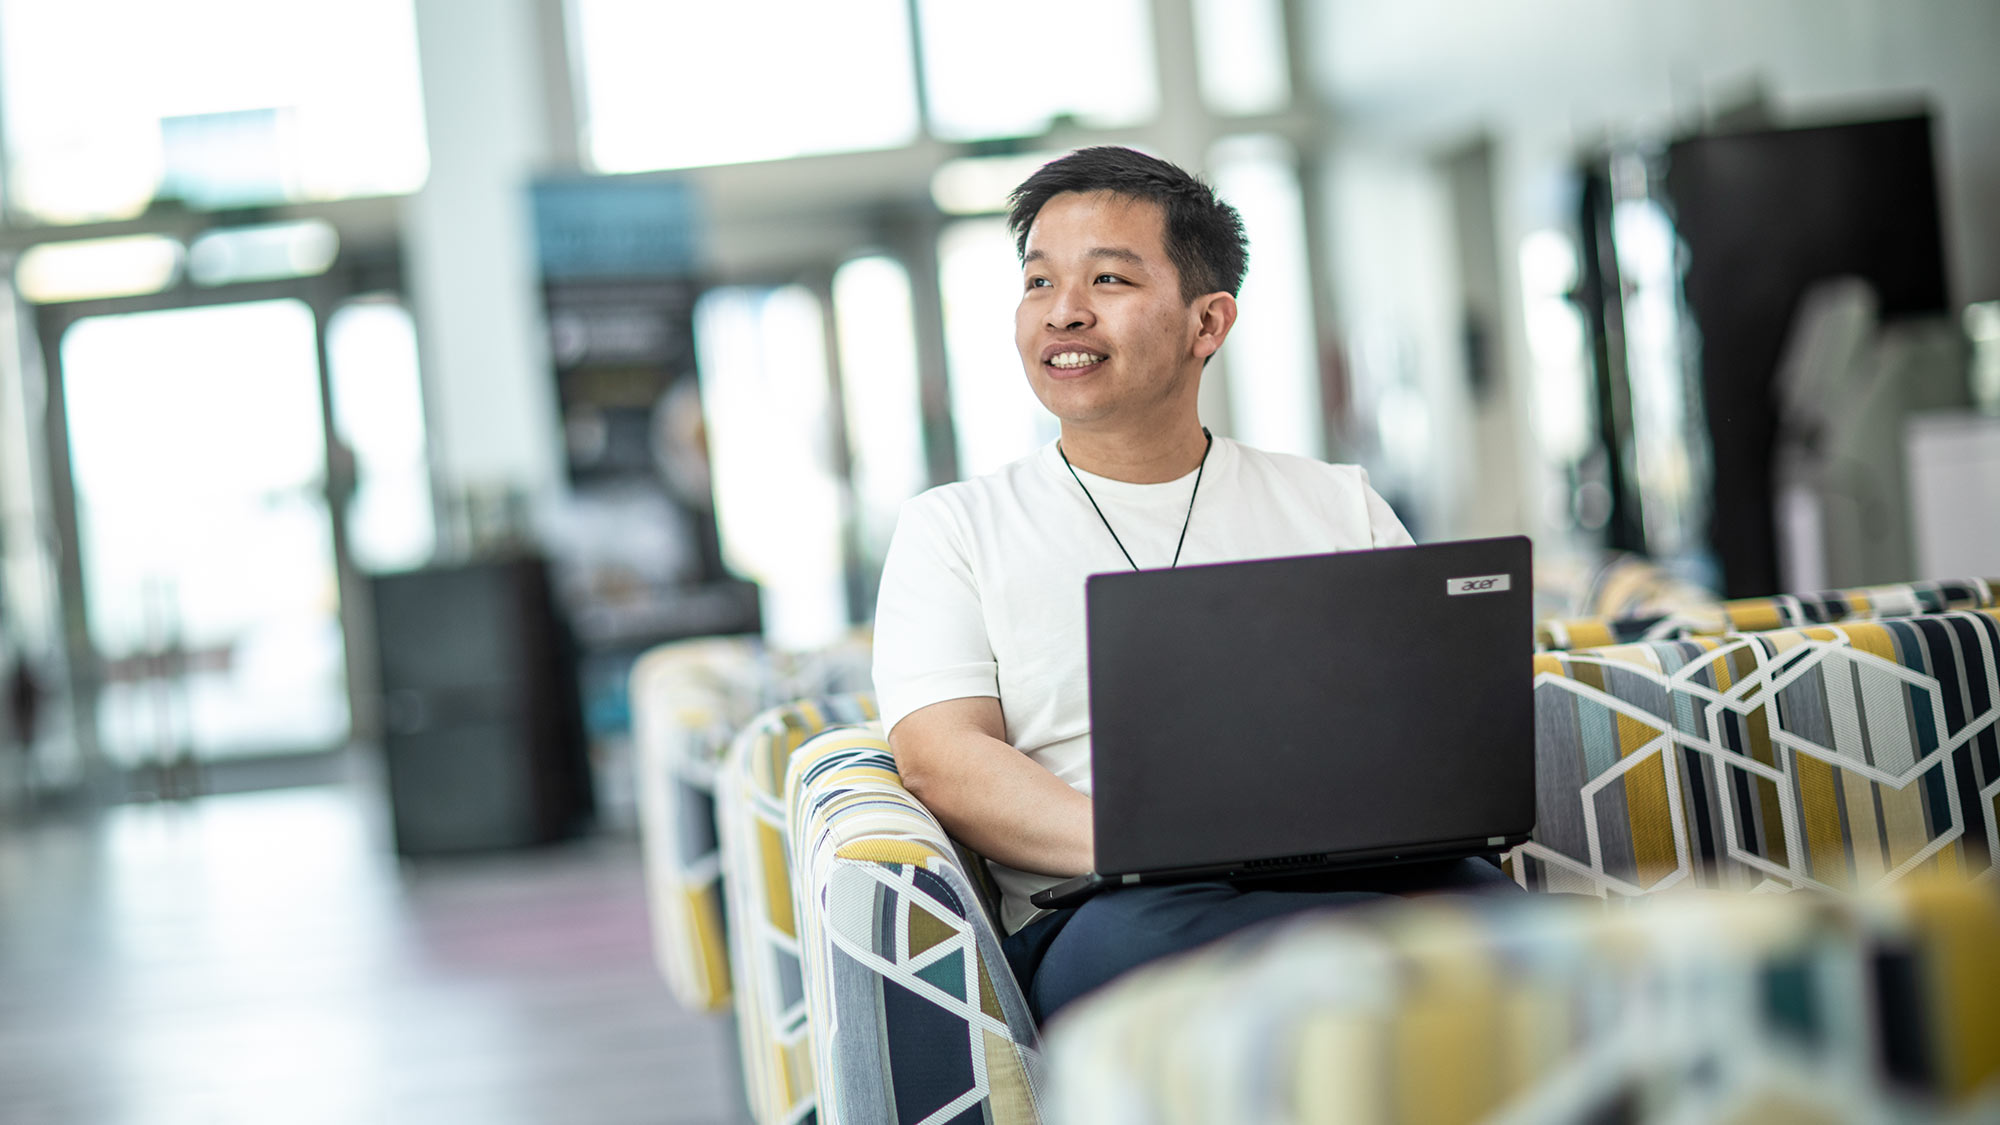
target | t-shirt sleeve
[
  {"x": 1384, "y": 529},
  {"x": 930, "y": 633}
]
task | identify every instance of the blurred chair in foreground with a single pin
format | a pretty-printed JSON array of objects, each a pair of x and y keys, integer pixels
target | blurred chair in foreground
[{"x": 1685, "y": 1007}]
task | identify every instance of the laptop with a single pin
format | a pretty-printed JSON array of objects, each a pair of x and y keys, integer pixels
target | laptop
[{"x": 1305, "y": 715}]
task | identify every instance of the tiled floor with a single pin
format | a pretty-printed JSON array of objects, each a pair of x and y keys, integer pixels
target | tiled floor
[{"x": 265, "y": 958}]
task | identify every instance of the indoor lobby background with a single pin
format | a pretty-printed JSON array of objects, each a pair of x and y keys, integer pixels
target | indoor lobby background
[{"x": 347, "y": 344}]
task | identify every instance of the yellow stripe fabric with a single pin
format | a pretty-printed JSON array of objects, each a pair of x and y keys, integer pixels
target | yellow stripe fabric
[
  {"x": 1755, "y": 616},
  {"x": 883, "y": 850},
  {"x": 1448, "y": 1022},
  {"x": 1876, "y": 640},
  {"x": 1819, "y": 814},
  {"x": 1903, "y": 819},
  {"x": 1960, "y": 926},
  {"x": 1586, "y": 633},
  {"x": 1864, "y": 838},
  {"x": 1340, "y": 1072},
  {"x": 711, "y": 953},
  {"x": 1646, "y": 803},
  {"x": 1011, "y": 1096},
  {"x": 777, "y": 880}
]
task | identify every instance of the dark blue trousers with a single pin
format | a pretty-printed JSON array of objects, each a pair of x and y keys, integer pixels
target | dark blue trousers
[{"x": 1065, "y": 955}]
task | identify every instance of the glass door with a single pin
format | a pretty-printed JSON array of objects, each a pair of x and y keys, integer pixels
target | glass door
[{"x": 198, "y": 459}]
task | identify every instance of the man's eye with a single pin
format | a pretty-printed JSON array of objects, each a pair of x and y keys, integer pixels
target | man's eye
[
  {"x": 1114, "y": 279},
  {"x": 1038, "y": 283}
]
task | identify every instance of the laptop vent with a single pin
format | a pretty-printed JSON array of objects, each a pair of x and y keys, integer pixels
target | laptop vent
[{"x": 1286, "y": 862}]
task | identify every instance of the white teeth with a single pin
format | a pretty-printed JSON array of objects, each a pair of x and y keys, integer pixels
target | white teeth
[{"x": 1074, "y": 359}]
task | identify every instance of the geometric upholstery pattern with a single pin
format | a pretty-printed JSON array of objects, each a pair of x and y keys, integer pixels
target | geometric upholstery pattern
[
  {"x": 689, "y": 698},
  {"x": 763, "y": 927},
  {"x": 916, "y": 1017},
  {"x": 1839, "y": 756},
  {"x": 1747, "y": 615},
  {"x": 1685, "y": 1007}
]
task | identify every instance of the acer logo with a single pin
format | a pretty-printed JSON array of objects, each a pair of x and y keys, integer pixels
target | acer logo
[{"x": 1478, "y": 584}]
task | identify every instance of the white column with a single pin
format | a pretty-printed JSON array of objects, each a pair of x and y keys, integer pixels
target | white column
[{"x": 469, "y": 250}]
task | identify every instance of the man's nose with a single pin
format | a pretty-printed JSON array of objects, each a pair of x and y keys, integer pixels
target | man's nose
[{"x": 1071, "y": 309}]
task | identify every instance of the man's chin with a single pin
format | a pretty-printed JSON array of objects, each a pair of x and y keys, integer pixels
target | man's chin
[{"x": 1071, "y": 409}]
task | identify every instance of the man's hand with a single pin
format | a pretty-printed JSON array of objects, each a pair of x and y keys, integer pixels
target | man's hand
[{"x": 954, "y": 757}]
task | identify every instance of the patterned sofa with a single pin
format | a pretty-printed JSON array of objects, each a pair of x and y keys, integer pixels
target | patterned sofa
[{"x": 1848, "y": 756}]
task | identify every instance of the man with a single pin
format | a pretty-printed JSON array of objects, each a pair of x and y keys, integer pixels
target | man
[{"x": 1130, "y": 269}]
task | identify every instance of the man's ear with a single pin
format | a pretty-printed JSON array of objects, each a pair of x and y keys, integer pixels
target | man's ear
[{"x": 1215, "y": 315}]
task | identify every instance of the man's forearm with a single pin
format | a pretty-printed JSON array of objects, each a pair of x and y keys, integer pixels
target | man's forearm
[{"x": 990, "y": 796}]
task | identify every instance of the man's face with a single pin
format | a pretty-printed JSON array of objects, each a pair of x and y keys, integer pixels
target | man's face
[{"x": 1102, "y": 330}]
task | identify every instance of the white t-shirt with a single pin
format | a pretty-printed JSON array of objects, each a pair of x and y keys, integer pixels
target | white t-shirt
[{"x": 982, "y": 591}]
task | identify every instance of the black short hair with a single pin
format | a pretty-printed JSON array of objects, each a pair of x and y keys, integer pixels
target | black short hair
[{"x": 1204, "y": 235}]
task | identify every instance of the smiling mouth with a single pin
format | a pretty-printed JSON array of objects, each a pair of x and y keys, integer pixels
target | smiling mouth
[{"x": 1074, "y": 361}]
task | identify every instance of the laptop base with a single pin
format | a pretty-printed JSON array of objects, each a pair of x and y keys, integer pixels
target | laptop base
[{"x": 1073, "y": 892}]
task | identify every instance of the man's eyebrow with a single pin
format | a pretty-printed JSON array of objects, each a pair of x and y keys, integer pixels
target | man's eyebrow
[{"x": 1116, "y": 252}]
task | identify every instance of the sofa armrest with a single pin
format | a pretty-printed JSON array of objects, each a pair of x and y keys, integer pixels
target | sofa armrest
[
  {"x": 764, "y": 954},
  {"x": 688, "y": 700},
  {"x": 915, "y": 1013}
]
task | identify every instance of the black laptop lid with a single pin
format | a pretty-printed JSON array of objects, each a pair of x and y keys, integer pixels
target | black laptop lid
[{"x": 1340, "y": 703}]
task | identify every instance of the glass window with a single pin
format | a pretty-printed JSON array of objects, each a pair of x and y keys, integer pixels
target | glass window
[
  {"x": 1667, "y": 462},
  {"x": 199, "y": 458},
  {"x": 995, "y": 414},
  {"x": 378, "y": 411},
  {"x": 1001, "y": 72},
  {"x": 689, "y": 82},
  {"x": 1240, "y": 55},
  {"x": 881, "y": 393},
  {"x": 1564, "y": 396},
  {"x": 764, "y": 395},
  {"x": 1274, "y": 398},
  {"x": 221, "y": 103}
]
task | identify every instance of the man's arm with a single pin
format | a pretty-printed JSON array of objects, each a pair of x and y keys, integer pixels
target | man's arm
[{"x": 954, "y": 757}]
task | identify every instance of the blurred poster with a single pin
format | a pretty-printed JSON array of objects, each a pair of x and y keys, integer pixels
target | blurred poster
[{"x": 638, "y": 560}]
